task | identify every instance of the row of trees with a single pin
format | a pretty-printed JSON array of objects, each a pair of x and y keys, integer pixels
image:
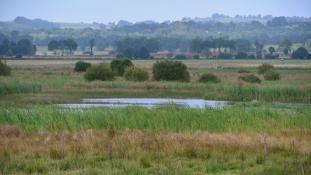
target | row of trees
[
  {"x": 19, "y": 48},
  {"x": 63, "y": 45},
  {"x": 241, "y": 48},
  {"x": 136, "y": 47}
]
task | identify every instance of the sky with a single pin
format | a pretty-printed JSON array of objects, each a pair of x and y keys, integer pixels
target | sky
[{"x": 104, "y": 11}]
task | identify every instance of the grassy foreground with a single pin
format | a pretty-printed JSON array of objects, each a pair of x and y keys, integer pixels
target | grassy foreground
[{"x": 245, "y": 139}]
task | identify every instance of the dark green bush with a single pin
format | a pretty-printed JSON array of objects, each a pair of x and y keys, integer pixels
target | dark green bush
[
  {"x": 5, "y": 70},
  {"x": 81, "y": 66},
  {"x": 206, "y": 78},
  {"x": 118, "y": 65},
  {"x": 250, "y": 78},
  {"x": 99, "y": 72},
  {"x": 265, "y": 67},
  {"x": 241, "y": 71},
  {"x": 271, "y": 75},
  {"x": 136, "y": 74},
  {"x": 170, "y": 71}
]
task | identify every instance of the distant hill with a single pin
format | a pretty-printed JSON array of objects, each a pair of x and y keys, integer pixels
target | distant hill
[
  {"x": 22, "y": 23},
  {"x": 172, "y": 35}
]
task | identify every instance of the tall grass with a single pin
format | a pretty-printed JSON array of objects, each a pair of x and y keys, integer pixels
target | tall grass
[
  {"x": 232, "y": 119},
  {"x": 16, "y": 87},
  {"x": 248, "y": 93}
]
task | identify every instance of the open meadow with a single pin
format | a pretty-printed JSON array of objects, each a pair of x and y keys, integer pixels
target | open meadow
[{"x": 265, "y": 129}]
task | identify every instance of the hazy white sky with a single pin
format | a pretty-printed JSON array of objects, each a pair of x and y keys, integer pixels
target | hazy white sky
[{"x": 139, "y": 10}]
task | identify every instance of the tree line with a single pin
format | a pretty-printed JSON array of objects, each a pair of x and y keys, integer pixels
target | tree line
[
  {"x": 19, "y": 48},
  {"x": 142, "y": 47},
  {"x": 63, "y": 45}
]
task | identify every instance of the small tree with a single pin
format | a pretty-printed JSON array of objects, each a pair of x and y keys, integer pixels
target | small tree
[
  {"x": 53, "y": 46},
  {"x": 118, "y": 65},
  {"x": 136, "y": 74},
  {"x": 170, "y": 71},
  {"x": 92, "y": 44},
  {"x": 271, "y": 50}
]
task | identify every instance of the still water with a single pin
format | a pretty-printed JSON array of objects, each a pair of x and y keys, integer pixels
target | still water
[{"x": 144, "y": 102}]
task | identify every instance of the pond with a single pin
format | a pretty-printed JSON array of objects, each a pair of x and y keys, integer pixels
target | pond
[{"x": 144, "y": 102}]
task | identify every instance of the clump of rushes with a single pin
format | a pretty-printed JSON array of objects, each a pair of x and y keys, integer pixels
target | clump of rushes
[
  {"x": 5, "y": 70},
  {"x": 99, "y": 72},
  {"x": 136, "y": 74},
  {"x": 250, "y": 78},
  {"x": 265, "y": 67},
  {"x": 209, "y": 78},
  {"x": 81, "y": 66},
  {"x": 272, "y": 75}
]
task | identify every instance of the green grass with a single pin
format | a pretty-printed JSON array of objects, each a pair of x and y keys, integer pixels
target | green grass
[
  {"x": 249, "y": 93},
  {"x": 16, "y": 87},
  {"x": 236, "y": 119}
]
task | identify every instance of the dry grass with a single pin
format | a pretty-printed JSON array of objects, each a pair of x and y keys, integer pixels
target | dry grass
[{"x": 133, "y": 142}]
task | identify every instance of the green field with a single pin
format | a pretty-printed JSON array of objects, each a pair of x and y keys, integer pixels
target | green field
[{"x": 265, "y": 130}]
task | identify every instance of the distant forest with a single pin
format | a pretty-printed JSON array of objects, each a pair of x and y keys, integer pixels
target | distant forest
[{"x": 165, "y": 36}]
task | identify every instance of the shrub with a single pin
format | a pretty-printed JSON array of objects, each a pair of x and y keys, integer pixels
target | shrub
[
  {"x": 250, "y": 78},
  {"x": 264, "y": 68},
  {"x": 5, "y": 70},
  {"x": 241, "y": 71},
  {"x": 209, "y": 78},
  {"x": 170, "y": 71},
  {"x": 271, "y": 75},
  {"x": 81, "y": 66},
  {"x": 118, "y": 65},
  {"x": 136, "y": 74},
  {"x": 99, "y": 72}
]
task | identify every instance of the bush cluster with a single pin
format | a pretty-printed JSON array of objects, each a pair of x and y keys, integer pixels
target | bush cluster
[
  {"x": 81, "y": 66},
  {"x": 250, "y": 78},
  {"x": 271, "y": 75},
  {"x": 136, "y": 74},
  {"x": 265, "y": 67},
  {"x": 101, "y": 72},
  {"x": 209, "y": 77},
  {"x": 5, "y": 70},
  {"x": 268, "y": 71},
  {"x": 118, "y": 65},
  {"x": 170, "y": 71}
]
